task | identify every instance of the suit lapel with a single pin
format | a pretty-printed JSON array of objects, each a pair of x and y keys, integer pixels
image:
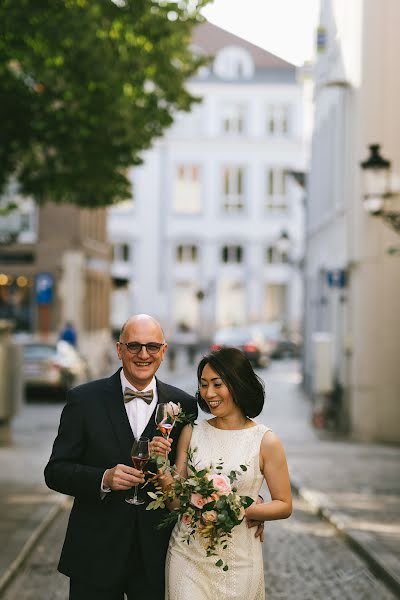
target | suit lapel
[{"x": 117, "y": 414}]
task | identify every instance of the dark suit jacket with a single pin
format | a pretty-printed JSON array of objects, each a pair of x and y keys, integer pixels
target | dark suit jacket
[{"x": 94, "y": 434}]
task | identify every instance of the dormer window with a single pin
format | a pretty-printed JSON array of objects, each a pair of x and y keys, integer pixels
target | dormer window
[{"x": 233, "y": 63}]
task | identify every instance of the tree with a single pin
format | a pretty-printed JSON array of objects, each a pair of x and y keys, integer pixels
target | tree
[{"x": 85, "y": 86}]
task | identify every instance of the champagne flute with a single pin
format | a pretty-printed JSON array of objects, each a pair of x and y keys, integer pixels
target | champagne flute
[
  {"x": 140, "y": 454},
  {"x": 164, "y": 419}
]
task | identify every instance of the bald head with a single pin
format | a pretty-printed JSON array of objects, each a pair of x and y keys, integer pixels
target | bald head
[
  {"x": 142, "y": 320},
  {"x": 141, "y": 366}
]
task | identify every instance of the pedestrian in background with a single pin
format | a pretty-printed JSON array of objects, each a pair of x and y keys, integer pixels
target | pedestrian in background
[{"x": 68, "y": 334}]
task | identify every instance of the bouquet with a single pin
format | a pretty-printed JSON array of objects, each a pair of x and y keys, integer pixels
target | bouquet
[{"x": 209, "y": 505}]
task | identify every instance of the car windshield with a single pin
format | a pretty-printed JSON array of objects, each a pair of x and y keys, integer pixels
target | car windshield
[{"x": 39, "y": 351}]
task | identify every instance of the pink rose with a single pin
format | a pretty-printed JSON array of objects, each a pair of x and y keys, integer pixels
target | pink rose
[
  {"x": 209, "y": 516},
  {"x": 221, "y": 483},
  {"x": 186, "y": 519},
  {"x": 197, "y": 500}
]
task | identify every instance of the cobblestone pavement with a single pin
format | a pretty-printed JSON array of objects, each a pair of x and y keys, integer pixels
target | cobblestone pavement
[
  {"x": 305, "y": 559},
  {"x": 356, "y": 485}
]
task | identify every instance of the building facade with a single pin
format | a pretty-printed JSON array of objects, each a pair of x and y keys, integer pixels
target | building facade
[
  {"x": 55, "y": 267},
  {"x": 352, "y": 275},
  {"x": 198, "y": 245}
]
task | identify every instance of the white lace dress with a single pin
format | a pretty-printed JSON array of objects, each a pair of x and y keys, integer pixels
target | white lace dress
[{"x": 190, "y": 575}]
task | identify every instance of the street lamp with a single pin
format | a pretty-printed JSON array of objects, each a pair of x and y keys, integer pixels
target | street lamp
[{"x": 378, "y": 198}]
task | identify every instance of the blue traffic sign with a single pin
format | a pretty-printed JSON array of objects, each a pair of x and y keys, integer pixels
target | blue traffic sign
[{"x": 44, "y": 286}]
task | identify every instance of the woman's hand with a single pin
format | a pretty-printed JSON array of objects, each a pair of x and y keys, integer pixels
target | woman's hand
[
  {"x": 159, "y": 446},
  {"x": 259, "y": 524}
]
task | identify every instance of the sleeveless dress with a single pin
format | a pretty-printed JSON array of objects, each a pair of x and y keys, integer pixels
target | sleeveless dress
[{"x": 190, "y": 574}]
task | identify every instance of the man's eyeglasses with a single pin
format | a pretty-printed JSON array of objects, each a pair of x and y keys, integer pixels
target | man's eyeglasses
[{"x": 136, "y": 347}]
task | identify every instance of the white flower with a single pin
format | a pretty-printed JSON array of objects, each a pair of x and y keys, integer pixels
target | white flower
[{"x": 173, "y": 409}]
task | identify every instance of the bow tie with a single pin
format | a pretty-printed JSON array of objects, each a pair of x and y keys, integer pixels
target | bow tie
[{"x": 130, "y": 395}]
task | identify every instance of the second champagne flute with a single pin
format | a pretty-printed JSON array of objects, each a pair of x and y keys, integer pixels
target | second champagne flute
[{"x": 140, "y": 454}]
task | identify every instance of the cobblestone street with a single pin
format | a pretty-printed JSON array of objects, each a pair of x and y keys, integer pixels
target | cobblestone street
[
  {"x": 305, "y": 559},
  {"x": 305, "y": 556}
]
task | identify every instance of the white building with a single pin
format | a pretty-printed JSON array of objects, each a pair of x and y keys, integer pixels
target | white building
[
  {"x": 352, "y": 277},
  {"x": 197, "y": 245}
]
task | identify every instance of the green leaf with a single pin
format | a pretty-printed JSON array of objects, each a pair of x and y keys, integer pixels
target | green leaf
[
  {"x": 225, "y": 568},
  {"x": 243, "y": 467},
  {"x": 75, "y": 88},
  {"x": 152, "y": 495},
  {"x": 219, "y": 563}
]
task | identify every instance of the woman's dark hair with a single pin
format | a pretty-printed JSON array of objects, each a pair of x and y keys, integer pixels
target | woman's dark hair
[{"x": 236, "y": 372}]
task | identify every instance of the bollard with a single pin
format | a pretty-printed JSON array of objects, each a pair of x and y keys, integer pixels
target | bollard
[{"x": 11, "y": 384}]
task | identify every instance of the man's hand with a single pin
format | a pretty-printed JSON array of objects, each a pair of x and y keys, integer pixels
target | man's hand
[
  {"x": 122, "y": 477},
  {"x": 259, "y": 524}
]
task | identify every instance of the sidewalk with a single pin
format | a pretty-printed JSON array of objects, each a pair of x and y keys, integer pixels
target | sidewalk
[
  {"x": 27, "y": 506},
  {"x": 355, "y": 486}
]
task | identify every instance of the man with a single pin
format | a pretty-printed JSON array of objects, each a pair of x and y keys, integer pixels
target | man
[{"x": 112, "y": 547}]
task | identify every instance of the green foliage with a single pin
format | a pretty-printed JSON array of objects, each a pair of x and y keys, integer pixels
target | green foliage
[{"x": 85, "y": 86}]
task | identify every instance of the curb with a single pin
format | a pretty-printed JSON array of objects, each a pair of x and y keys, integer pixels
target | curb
[
  {"x": 319, "y": 502},
  {"x": 29, "y": 545}
]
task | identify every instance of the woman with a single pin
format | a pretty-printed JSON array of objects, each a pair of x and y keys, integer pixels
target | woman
[{"x": 231, "y": 391}]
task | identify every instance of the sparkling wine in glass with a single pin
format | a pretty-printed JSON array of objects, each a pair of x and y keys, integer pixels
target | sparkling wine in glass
[
  {"x": 164, "y": 420},
  {"x": 140, "y": 454}
]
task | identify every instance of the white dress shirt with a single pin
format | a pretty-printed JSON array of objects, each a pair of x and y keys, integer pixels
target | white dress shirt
[{"x": 138, "y": 412}]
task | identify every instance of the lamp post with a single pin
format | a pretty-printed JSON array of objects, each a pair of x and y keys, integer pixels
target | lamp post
[{"x": 378, "y": 198}]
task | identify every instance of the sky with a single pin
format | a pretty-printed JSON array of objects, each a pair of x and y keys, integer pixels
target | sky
[{"x": 284, "y": 27}]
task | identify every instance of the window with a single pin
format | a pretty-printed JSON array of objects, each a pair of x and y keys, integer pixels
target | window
[
  {"x": 187, "y": 192},
  {"x": 275, "y": 307},
  {"x": 19, "y": 224},
  {"x": 233, "y": 192},
  {"x": 278, "y": 123},
  {"x": 232, "y": 254},
  {"x": 232, "y": 62},
  {"x": 276, "y": 189},
  {"x": 231, "y": 303},
  {"x": 233, "y": 119},
  {"x": 186, "y": 253},
  {"x": 273, "y": 256},
  {"x": 185, "y": 308},
  {"x": 121, "y": 252}
]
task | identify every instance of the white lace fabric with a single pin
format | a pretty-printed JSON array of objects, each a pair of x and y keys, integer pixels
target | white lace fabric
[{"x": 190, "y": 574}]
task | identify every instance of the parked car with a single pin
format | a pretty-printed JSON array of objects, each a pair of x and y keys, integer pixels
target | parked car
[
  {"x": 250, "y": 343},
  {"x": 279, "y": 343},
  {"x": 56, "y": 367}
]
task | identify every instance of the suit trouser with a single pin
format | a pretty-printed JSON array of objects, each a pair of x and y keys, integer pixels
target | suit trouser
[{"x": 135, "y": 585}]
